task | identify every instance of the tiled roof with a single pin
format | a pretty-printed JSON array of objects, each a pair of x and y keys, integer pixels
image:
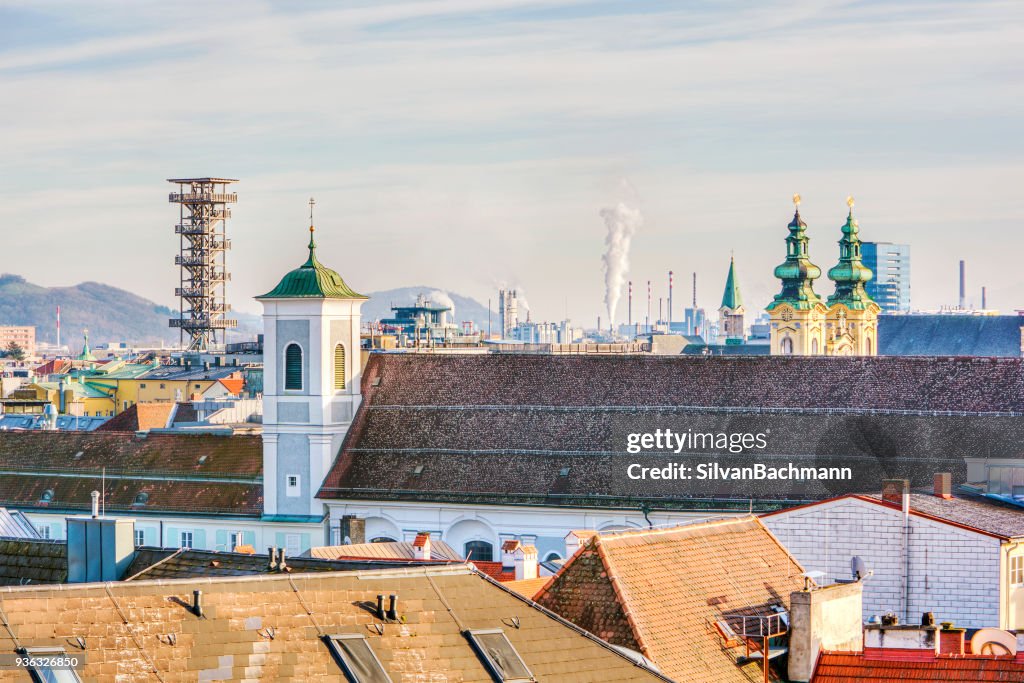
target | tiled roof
[
  {"x": 495, "y": 570},
  {"x": 29, "y": 561},
  {"x": 397, "y": 550},
  {"x": 528, "y": 588},
  {"x": 950, "y": 335},
  {"x": 544, "y": 429},
  {"x": 853, "y": 667},
  {"x": 140, "y": 417},
  {"x": 990, "y": 516},
  {"x": 659, "y": 592},
  {"x": 177, "y": 472},
  {"x": 272, "y": 628},
  {"x": 167, "y": 563}
]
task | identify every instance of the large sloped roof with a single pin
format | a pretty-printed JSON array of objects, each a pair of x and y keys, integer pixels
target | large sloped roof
[
  {"x": 950, "y": 335},
  {"x": 661, "y": 591},
  {"x": 274, "y": 627}
]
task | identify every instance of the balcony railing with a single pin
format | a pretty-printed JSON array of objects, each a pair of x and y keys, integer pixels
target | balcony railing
[{"x": 202, "y": 198}]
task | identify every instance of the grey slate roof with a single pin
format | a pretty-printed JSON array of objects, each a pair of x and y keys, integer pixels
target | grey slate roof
[
  {"x": 950, "y": 335},
  {"x": 992, "y": 517},
  {"x": 32, "y": 561}
]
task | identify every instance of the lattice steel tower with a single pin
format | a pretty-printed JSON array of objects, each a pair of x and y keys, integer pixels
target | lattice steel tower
[{"x": 202, "y": 229}]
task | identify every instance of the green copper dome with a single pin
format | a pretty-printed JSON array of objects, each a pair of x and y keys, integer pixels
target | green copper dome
[
  {"x": 850, "y": 273},
  {"x": 797, "y": 272},
  {"x": 312, "y": 280}
]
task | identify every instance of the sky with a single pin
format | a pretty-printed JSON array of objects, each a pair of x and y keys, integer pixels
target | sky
[{"x": 472, "y": 144}]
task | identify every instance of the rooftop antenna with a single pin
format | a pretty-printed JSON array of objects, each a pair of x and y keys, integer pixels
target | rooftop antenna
[{"x": 103, "y": 495}]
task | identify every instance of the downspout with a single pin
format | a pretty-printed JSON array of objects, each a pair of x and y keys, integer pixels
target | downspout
[
  {"x": 1004, "y": 584},
  {"x": 906, "y": 557}
]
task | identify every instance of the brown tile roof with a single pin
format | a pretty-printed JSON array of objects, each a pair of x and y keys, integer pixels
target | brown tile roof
[
  {"x": 31, "y": 561},
  {"x": 178, "y": 472},
  {"x": 659, "y": 592},
  {"x": 140, "y": 417},
  {"x": 396, "y": 550},
  {"x": 564, "y": 419},
  {"x": 854, "y": 667},
  {"x": 271, "y": 628}
]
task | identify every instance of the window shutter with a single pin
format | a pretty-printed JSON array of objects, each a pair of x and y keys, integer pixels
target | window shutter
[
  {"x": 339, "y": 367},
  {"x": 293, "y": 368}
]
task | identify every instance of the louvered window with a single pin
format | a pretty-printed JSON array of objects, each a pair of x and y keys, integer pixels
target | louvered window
[
  {"x": 293, "y": 368},
  {"x": 339, "y": 367}
]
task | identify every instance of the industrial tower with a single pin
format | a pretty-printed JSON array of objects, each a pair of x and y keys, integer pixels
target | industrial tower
[{"x": 202, "y": 229}]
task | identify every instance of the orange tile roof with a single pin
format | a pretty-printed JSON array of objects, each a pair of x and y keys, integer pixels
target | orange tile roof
[
  {"x": 659, "y": 592},
  {"x": 528, "y": 588},
  {"x": 270, "y": 628},
  {"x": 392, "y": 550},
  {"x": 421, "y": 540},
  {"x": 233, "y": 384},
  {"x": 494, "y": 570},
  {"x": 853, "y": 667}
]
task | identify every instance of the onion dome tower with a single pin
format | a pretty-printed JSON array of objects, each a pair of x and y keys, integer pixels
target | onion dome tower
[
  {"x": 850, "y": 274},
  {"x": 852, "y": 323}
]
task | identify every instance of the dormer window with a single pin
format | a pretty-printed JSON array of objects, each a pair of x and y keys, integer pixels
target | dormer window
[{"x": 293, "y": 368}]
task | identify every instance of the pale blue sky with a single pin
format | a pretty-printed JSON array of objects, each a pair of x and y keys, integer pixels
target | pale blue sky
[{"x": 466, "y": 144}]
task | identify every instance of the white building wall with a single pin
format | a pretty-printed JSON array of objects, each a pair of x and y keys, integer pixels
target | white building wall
[
  {"x": 544, "y": 527},
  {"x": 953, "y": 572}
]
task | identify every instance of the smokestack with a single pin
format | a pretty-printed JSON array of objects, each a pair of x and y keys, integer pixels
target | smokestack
[
  {"x": 630, "y": 307},
  {"x": 621, "y": 222},
  {"x": 648, "y": 305},
  {"x": 963, "y": 283},
  {"x": 661, "y": 313},
  {"x": 984, "y": 300},
  {"x": 695, "y": 290},
  {"x": 670, "y": 300},
  {"x": 58, "y": 327}
]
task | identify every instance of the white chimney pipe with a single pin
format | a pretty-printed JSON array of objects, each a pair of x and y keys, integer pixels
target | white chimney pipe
[
  {"x": 526, "y": 562},
  {"x": 95, "y": 504}
]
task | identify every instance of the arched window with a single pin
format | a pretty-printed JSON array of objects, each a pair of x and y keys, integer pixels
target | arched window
[
  {"x": 786, "y": 346},
  {"x": 869, "y": 346},
  {"x": 293, "y": 368},
  {"x": 814, "y": 346},
  {"x": 339, "y": 367},
  {"x": 479, "y": 550}
]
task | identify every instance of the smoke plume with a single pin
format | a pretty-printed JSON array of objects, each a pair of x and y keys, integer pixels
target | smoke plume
[
  {"x": 621, "y": 221},
  {"x": 442, "y": 299}
]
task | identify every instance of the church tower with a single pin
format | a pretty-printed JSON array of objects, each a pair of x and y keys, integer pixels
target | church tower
[
  {"x": 852, "y": 323},
  {"x": 311, "y": 362},
  {"x": 797, "y": 314},
  {"x": 731, "y": 312}
]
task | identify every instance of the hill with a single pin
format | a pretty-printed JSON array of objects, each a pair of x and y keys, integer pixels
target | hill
[
  {"x": 138, "y": 320},
  {"x": 89, "y": 306}
]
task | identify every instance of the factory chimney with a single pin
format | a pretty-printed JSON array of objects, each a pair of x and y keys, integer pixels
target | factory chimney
[
  {"x": 963, "y": 283},
  {"x": 648, "y": 305},
  {"x": 984, "y": 300},
  {"x": 630, "y": 305},
  {"x": 695, "y": 290},
  {"x": 670, "y": 300}
]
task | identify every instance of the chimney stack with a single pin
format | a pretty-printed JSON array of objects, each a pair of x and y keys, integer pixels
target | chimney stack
[
  {"x": 827, "y": 618},
  {"x": 951, "y": 640},
  {"x": 963, "y": 286},
  {"x": 984, "y": 300},
  {"x": 508, "y": 554},
  {"x": 574, "y": 539},
  {"x": 629, "y": 307},
  {"x": 352, "y": 530},
  {"x": 670, "y": 301},
  {"x": 99, "y": 548},
  {"x": 421, "y": 546},
  {"x": 526, "y": 562},
  {"x": 897, "y": 492},
  {"x": 943, "y": 485}
]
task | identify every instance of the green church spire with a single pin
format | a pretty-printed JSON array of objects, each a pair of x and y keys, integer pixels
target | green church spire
[
  {"x": 86, "y": 353},
  {"x": 312, "y": 280},
  {"x": 731, "y": 298},
  {"x": 850, "y": 274},
  {"x": 797, "y": 272}
]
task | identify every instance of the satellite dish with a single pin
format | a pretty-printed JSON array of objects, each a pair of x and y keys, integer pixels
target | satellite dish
[
  {"x": 993, "y": 641},
  {"x": 858, "y": 567}
]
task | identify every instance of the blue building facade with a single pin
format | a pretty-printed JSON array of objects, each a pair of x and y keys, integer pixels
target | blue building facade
[{"x": 890, "y": 286}]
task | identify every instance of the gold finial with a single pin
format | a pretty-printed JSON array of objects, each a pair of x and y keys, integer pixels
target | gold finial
[
  {"x": 312, "y": 203},
  {"x": 849, "y": 202},
  {"x": 796, "y": 200}
]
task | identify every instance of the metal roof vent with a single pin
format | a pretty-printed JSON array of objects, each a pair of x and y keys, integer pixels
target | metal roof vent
[
  {"x": 417, "y": 471},
  {"x": 564, "y": 472},
  {"x": 141, "y": 498},
  {"x": 203, "y": 459},
  {"x": 78, "y": 455},
  {"x": 47, "y": 496}
]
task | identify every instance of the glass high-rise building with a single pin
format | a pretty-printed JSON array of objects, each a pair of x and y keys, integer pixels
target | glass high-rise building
[{"x": 890, "y": 287}]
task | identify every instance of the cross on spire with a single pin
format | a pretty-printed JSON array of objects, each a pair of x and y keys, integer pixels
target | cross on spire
[{"x": 312, "y": 203}]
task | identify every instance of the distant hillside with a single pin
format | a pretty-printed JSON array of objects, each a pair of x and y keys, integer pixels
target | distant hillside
[
  {"x": 109, "y": 313},
  {"x": 380, "y": 303}
]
